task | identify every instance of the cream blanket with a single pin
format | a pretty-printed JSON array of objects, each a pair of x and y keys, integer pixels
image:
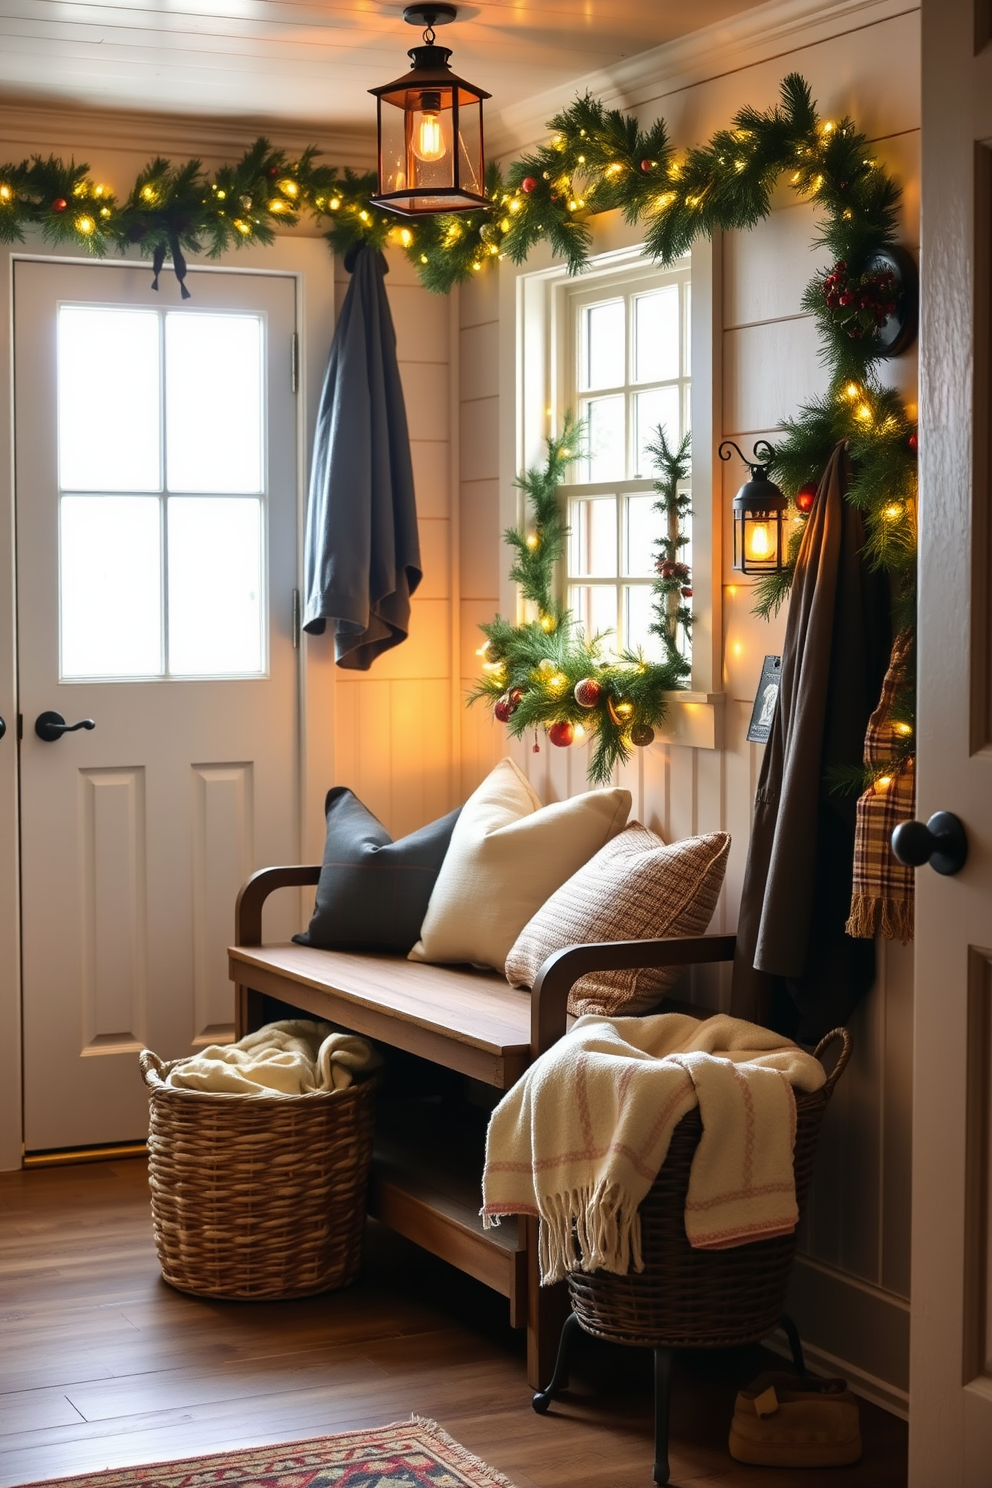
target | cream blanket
[
  {"x": 287, "y": 1058},
  {"x": 580, "y": 1138}
]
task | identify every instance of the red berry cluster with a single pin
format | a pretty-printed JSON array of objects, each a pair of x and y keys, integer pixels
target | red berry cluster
[
  {"x": 860, "y": 303},
  {"x": 670, "y": 568}
]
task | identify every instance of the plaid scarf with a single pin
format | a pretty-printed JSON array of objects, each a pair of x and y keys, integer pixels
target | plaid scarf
[{"x": 882, "y": 900}]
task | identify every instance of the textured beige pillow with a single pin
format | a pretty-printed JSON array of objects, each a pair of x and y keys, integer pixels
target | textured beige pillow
[
  {"x": 635, "y": 888},
  {"x": 507, "y": 854}
]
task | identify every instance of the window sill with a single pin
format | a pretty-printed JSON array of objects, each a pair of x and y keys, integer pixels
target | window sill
[{"x": 694, "y": 721}]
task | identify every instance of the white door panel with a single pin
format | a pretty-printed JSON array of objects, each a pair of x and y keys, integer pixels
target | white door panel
[
  {"x": 136, "y": 835},
  {"x": 950, "y": 1426}
]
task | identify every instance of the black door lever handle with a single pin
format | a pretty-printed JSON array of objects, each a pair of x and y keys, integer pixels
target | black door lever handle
[{"x": 51, "y": 726}]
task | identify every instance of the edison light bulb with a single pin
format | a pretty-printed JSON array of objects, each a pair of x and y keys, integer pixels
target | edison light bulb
[
  {"x": 758, "y": 541},
  {"x": 428, "y": 137}
]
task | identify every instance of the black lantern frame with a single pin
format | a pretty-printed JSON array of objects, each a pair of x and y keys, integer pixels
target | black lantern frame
[
  {"x": 759, "y": 514},
  {"x": 429, "y": 131}
]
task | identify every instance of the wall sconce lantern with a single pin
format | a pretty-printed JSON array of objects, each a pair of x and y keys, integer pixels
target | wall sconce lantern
[
  {"x": 759, "y": 510},
  {"x": 431, "y": 156}
]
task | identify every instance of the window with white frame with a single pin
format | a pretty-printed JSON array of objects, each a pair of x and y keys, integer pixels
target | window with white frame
[{"x": 626, "y": 350}]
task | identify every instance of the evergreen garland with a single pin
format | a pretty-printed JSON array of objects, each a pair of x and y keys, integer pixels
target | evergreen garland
[
  {"x": 596, "y": 159},
  {"x": 673, "y": 586},
  {"x": 545, "y": 673}
]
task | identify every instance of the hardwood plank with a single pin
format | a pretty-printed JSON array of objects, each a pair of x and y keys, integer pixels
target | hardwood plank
[
  {"x": 182, "y": 1375},
  {"x": 466, "y": 1020}
]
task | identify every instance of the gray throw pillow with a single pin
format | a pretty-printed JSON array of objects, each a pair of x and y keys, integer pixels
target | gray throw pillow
[{"x": 373, "y": 893}]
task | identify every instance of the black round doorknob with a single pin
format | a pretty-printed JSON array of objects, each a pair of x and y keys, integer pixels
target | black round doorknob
[
  {"x": 51, "y": 726},
  {"x": 3, "y": 728},
  {"x": 941, "y": 842}
]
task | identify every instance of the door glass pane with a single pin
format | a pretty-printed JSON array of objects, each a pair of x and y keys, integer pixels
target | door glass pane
[
  {"x": 593, "y": 523},
  {"x": 656, "y": 335},
  {"x": 606, "y": 458},
  {"x": 213, "y": 402},
  {"x": 603, "y": 338},
  {"x": 644, "y": 525},
  {"x": 658, "y": 406},
  {"x": 108, "y": 399},
  {"x": 110, "y": 586},
  {"x": 594, "y": 607},
  {"x": 215, "y": 586}
]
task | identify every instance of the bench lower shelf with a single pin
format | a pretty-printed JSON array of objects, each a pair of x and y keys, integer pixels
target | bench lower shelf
[{"x": 426, "y": 1185}]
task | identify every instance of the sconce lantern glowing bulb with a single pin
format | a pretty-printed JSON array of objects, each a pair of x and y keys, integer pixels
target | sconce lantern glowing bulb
[
  {"x": 759, "y": 509},
  {"x": 431, "y": 155}
]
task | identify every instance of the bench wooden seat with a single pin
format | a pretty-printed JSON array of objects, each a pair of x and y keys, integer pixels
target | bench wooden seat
[{"x": 425, "y": 1180}]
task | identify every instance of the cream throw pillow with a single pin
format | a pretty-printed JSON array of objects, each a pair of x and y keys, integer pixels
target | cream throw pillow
[
  {"x": 507, "y": 854},
  {"x": 635, "y": 888}
]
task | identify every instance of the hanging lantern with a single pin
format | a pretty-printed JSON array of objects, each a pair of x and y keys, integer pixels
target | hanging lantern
[
  {"x": 759, "y": 511},
  {"x": 431, "y": 156}
]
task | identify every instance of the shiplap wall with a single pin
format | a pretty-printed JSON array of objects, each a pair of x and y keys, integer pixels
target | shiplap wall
[{"x": 851, "y": 1286}]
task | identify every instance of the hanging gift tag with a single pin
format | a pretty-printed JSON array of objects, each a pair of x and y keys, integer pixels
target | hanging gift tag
[{"x": 765, "y": 700}]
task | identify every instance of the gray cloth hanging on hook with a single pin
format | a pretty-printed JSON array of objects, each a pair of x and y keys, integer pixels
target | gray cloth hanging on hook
[{"x": 362, "y": 550}]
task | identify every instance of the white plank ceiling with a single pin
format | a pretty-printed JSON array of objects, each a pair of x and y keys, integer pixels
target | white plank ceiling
[{"x": 301, "y": 61}]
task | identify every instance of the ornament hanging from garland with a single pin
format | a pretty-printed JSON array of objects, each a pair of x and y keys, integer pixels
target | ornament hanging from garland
[{"x": 545, "y": 673}]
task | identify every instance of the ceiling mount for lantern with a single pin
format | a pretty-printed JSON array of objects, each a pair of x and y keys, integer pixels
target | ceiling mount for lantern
[
  {"x": 431, "y": 155},
  {"x": 759, "y": 508}
]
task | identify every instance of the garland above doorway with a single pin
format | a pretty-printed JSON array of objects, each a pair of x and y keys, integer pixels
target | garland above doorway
[{"x": 596, "y": 159}]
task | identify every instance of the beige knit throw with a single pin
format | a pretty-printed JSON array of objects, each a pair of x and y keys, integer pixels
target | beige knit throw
[{"x": 580, "y": 1138}]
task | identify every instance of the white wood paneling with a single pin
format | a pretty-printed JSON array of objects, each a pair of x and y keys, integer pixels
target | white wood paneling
[
  {"x": 113, "y": 875},
  {"x": 223, "y": 853}
]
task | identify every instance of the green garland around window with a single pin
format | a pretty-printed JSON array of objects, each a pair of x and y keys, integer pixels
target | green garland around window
[{"x": 546, "y": 673}]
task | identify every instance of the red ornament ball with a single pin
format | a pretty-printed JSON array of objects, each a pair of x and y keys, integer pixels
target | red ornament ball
[
  {"x": 528, "y": 184},
  {"x": 503, "y": 710},
  {"x": 587, "y": 692},
  {"x": 515, "y": 694},
  {"x": 686, "y": 593},
  {"x": 914, "y": 441},
  {"x": 642, "y": 734},
  {"x": 647, "y": 166},
  {"x": 805, "y": 497},
  {"x": 59, "y": 204},
  {"x": 561, "y": 733}
]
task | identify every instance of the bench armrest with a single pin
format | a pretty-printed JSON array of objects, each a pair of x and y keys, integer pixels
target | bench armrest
[
  {"x": 560, "y": 972},
  {"x": 248, "y": 910}
]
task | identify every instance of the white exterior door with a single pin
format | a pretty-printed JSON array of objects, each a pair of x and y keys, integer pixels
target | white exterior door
[
  {"x": 950, "y": 1426},
  {"x": 156, "y": 497}
]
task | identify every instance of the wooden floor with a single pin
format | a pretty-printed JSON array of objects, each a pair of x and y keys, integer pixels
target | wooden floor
[{"x": 105, "y": 1366}]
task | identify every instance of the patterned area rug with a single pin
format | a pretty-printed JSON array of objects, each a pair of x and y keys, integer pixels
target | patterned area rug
[{"x": 407, "y": 1454}]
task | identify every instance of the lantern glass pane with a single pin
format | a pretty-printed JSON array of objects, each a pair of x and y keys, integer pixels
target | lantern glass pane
[
  {"x": 392, "y": 147},
  {"x": 430, "y": 162},
  {"x": 471, "y": 169}
]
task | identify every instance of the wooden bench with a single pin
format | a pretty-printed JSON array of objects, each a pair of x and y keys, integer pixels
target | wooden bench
[{"x": 426, "y": 1177}]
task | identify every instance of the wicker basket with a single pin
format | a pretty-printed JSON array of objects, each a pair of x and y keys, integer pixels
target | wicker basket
[
  {"x": 686, "y": 1298},
  {"x": 257, "y": 1196}
]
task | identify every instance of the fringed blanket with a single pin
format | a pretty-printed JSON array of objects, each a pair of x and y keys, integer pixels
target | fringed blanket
[
  {"x": 287, "y": 1058},
  {"x": 882, "y": 891},
  {"x": 580, "y": 1138}
]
